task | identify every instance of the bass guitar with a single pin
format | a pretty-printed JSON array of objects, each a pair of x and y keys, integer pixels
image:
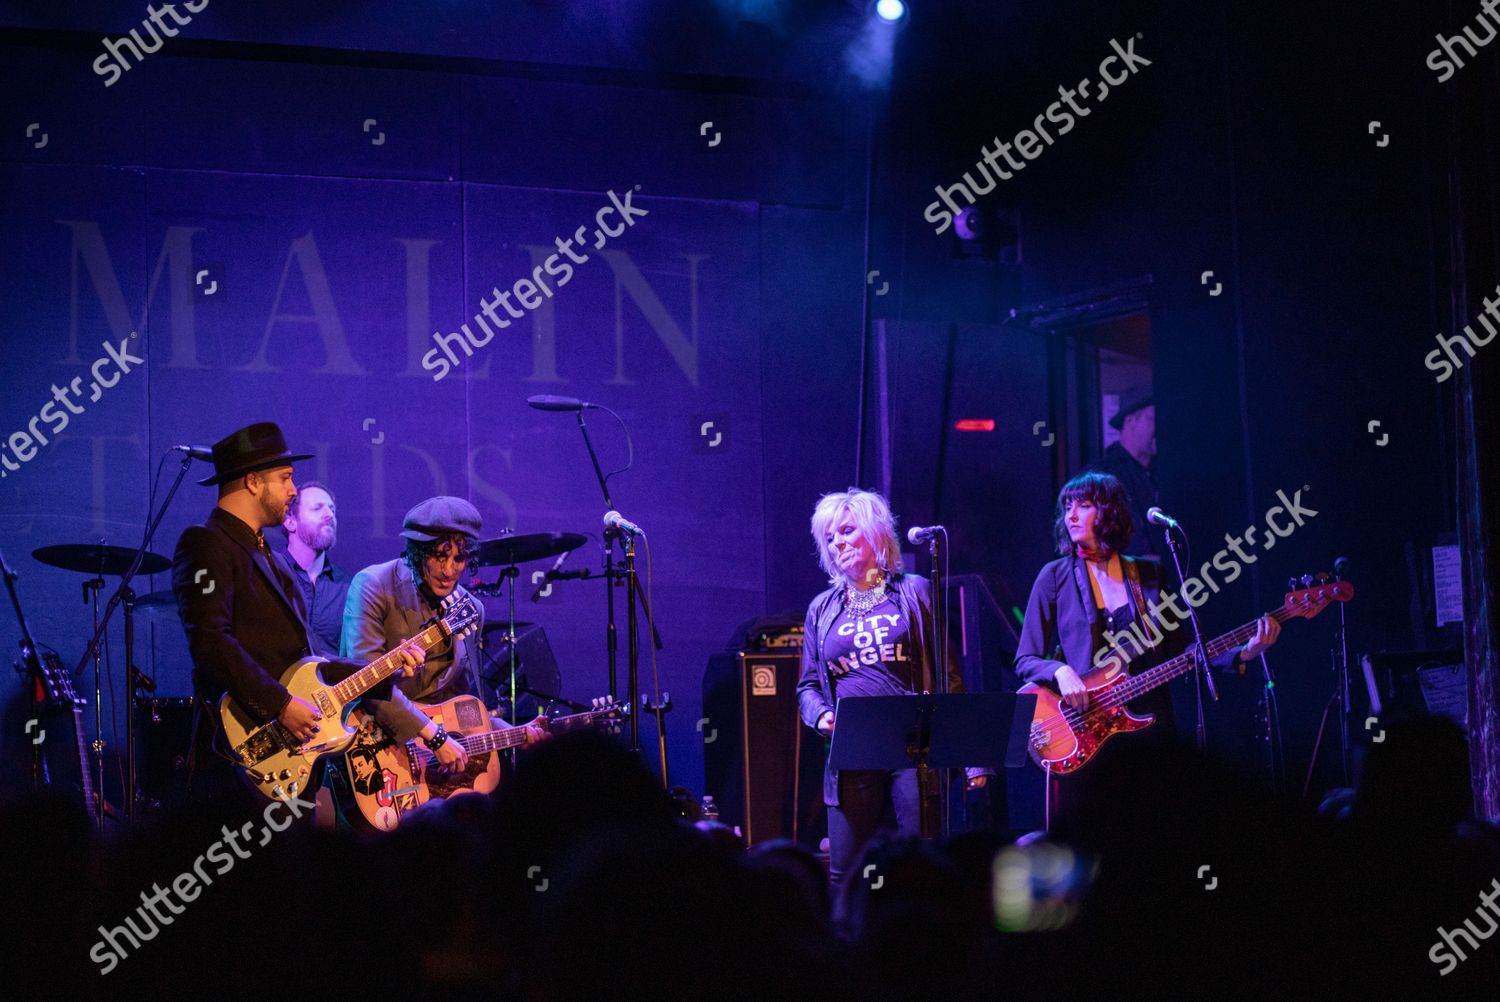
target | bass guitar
[
  {"x": 279, "y": 764},
  {"x": 1064, "y": 739},
  {"x": 388, "y": 780}
]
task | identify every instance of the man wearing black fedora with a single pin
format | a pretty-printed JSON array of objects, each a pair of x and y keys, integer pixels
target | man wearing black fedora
[
  {"x": 245, "y": 618},
  {"x": 1129, "y": 461}
]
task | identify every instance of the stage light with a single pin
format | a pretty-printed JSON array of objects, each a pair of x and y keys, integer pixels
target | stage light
[{"x": 890, "y": 11}]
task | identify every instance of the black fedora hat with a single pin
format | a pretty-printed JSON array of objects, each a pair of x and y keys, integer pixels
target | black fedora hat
[
  {"x": 1134, "y": 399},
  {"x": 254, "y": 447}
]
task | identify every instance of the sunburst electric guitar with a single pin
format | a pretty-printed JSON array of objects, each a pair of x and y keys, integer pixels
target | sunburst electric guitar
[
  {"x": 279, "y": 764},
  {"x": 1063, "y": 739},
  {"x": 389, "y": 779}
]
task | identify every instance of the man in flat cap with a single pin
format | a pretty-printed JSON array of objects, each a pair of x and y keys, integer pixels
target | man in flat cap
[
  {"x": 245, "y": 618},
  {"x": 1129, "y": 461},
  {"x": 390, "y": 600}
]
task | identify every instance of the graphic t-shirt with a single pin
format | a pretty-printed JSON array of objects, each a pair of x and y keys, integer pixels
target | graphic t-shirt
[{"x": 870, "y": 655}]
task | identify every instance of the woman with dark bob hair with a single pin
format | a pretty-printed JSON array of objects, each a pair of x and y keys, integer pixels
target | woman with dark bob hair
[{"x": 1087, "y": 600}]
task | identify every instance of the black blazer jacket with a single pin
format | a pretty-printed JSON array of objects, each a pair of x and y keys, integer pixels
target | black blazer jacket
[{"x": 243, "y": 627}]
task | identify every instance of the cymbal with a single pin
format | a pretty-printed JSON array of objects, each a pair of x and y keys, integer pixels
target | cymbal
[
  {"x": 96, "y": 558},
  {"x": 507, "y": 550},
  {"x": 164, "y": 599}
]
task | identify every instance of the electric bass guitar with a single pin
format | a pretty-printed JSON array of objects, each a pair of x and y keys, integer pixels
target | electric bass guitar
[
  {"x": 389, "y": 779},
  {"x": 279, "y": 764},
  {"x": 1063, "y": 739}
]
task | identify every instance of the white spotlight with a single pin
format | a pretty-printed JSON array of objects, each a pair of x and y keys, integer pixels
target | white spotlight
[{"x": 890, "y": 11}]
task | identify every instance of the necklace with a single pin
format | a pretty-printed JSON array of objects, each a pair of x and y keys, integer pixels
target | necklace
[{"x": 859, "y": 603}]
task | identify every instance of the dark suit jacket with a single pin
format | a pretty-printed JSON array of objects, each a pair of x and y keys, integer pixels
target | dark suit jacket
[
  {"x": 913, "y": 596},
  {"x": 1059, "y": 623},
  {"x": 243, "y": 628}
]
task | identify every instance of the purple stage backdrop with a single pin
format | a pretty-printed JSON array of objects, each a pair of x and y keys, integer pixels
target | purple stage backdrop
[{"x": 297, "y": 267}]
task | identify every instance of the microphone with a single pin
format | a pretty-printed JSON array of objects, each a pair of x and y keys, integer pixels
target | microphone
[
  {"x": 614, "y": 520},
  {"x": 548, "y": 402},
  {"x": 536, "y": 596},
  {"x": 919, "y": 534},
  {"x": 1154, "y": 514},
  {"x": 195, "y": 451}
]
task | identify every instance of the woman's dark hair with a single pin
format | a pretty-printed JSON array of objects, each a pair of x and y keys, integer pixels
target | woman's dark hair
[{"x": 1111, "y": 526}]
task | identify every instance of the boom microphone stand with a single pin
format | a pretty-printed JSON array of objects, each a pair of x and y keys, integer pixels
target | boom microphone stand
[
  {"x": 937, "y": 675},
  {"x": 1205, "y": 673},
  {"x": 92, "y": 652}
]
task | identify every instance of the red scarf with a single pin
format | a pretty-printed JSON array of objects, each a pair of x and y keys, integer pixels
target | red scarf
[{"x": 1098, "y": 554}]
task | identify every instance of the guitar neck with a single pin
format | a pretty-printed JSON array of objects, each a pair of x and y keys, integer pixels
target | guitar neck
[
  {"x": 385, "y": 666},
  {"x": 85, "y": 774},
  {"x": 1182, "y": 664},
  {"x": 510, "y": 737}
]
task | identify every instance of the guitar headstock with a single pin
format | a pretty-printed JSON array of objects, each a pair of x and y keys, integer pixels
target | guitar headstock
[
  {"x": 1315, "y": 595},
  {"x": 57, "y": 682},
  {"x": 610, "y": 712},
  {"x": 461, "y": 614}
]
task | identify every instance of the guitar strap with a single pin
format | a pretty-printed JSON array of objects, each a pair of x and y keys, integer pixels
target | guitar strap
[{"x": 1137, "y": 594}]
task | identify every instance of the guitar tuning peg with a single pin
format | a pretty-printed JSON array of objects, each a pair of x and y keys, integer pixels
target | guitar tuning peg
[
  {"x": 1292, "y": 584},
  {"x": 1323, "y": 577},
  {"x": 1307, "y": 580}
]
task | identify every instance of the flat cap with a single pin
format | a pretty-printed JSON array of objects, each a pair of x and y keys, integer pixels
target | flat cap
[{"x": 441, "y": 516}]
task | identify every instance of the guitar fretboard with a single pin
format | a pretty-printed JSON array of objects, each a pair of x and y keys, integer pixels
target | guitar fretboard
[
  {"x": 1165, "y": 672},
  {"x": 510, "y": 737},
  {"x": 385, "y": 666}
]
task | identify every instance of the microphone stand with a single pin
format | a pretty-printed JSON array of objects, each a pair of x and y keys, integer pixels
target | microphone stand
[
  {"x": 124, "y": 594},
  {"x": 937, "y": 682},
  {"x": 1343, "y": 683},
  {"x": 611, "y": 636},
  {"x": 33, "y": 674},
  {"x": 1205, "y": 674}
]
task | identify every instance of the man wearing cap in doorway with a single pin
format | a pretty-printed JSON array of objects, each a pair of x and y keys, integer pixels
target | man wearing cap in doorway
[
  {"x": 388, "y": 600},
  {"x": 1129, "y": 461},
  {"x": 246, "y": 620}
]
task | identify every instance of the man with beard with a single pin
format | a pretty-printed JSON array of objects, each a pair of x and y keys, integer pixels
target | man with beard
[
  {"x": 245, "y": 619},
  {"x": 311, "y": 527}
]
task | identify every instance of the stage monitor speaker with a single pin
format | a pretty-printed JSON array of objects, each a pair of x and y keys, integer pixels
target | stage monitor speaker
[{"x": 760, "y": 764}]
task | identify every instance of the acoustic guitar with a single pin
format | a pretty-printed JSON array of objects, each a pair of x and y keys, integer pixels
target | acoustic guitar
[
  {"x": 279, "y": 764},
  {"x": 1063, "y": 739},
  {"x": 389, "y": 779}
]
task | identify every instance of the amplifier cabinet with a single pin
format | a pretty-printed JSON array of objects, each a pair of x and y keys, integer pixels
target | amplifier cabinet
[{"x": 760, "y": 764}]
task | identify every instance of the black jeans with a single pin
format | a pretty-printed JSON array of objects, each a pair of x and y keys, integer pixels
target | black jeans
[{"x": 863, "y": 795}]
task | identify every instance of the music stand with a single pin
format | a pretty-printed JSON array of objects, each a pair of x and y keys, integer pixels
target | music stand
[{"x": 988, "y": 729}]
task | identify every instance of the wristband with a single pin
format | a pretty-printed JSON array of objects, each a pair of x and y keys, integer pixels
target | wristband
[{"x": 437, "y": 740}]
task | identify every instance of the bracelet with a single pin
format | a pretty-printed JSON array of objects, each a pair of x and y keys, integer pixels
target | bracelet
[{"x": 437, "y": 740}]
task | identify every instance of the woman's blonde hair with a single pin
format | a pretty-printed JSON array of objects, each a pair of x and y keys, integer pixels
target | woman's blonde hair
[{"x": 872, "y": 516}]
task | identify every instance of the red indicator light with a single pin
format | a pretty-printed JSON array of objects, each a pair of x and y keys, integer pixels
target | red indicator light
[{"x": 974, "y": 424}]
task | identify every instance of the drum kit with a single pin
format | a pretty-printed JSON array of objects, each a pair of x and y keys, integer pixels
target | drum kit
[{"x": 506, "y": 552}]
